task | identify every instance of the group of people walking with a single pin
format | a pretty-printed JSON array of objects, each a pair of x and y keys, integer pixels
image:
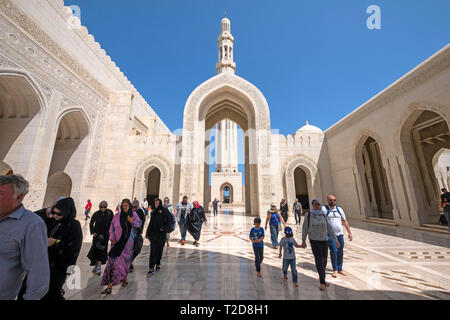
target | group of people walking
[
  {"x": 38, "y": 248},
  {"x": 124, "y": 231},
  {"x": 324, "y": 227}
]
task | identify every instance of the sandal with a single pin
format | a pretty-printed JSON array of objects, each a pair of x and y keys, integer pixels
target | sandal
[{"x": 107, "y": 291}]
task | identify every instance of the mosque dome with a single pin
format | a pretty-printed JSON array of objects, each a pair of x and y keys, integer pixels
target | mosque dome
[{"x": 307, "y": 128}]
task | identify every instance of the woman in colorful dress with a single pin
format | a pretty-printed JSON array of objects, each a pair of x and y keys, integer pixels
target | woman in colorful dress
[{"x": 121, "y": 234}]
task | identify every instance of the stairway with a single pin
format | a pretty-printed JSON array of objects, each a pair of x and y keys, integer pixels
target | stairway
[
  {"x": 434, "y": 228},
  {"x": 386, "y": 222}
]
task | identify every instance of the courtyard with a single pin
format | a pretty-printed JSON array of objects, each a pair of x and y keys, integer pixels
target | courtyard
[{"x": 382, "y": 262}]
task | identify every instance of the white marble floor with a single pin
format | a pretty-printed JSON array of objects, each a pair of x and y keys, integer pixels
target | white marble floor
[{"x": 382, "y": 262}]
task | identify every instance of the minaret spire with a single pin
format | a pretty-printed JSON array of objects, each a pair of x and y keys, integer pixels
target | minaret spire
[{"x": 225, "y": 42}]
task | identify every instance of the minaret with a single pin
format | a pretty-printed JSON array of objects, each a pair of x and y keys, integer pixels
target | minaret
[
  {"x": 225, "y": 42},
  {"x": 226, "y": 146}
]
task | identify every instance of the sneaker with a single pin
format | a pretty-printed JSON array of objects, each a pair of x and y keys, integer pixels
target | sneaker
[
  {"x": 196, "y": 244},
  {"x": 158, "y": 268},
  {"x": 98, "y": 270},
  {"x": 182, "y": 242},
  {"x": 150, "y": 273}
]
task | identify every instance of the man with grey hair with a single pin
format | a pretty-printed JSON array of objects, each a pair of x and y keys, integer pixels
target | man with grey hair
[{"x": 23, "y": 243}]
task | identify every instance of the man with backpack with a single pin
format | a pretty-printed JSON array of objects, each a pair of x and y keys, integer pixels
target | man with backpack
[
  {"x": 182, "y": 209},
  {"x": 336, "y": 217}
]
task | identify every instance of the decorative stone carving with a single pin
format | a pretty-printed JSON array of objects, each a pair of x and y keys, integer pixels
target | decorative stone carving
[{"x": 5, "y": 62}]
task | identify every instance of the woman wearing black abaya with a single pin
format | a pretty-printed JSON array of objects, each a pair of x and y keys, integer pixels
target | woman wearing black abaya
[
  {"x": 157, "y": 230},
  {"x": 99, "y": 228},
  {"x": 64, "y": 244},
  {"x": 195, "y": 220}
]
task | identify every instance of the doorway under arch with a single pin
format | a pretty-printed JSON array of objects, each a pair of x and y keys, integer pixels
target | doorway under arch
[
  {"x": 423, "y": 135},
  {"x": 301, "y": 187},
  {"x": 226, "y": 193},
  {"x": 153, "y": 185},
  {"x": 376, "y": 193}
]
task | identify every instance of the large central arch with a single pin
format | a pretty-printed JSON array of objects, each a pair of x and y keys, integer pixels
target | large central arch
[{"x": 227, "y": 96}]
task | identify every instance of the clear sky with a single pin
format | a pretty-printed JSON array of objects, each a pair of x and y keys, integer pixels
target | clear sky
[{"x": 313, "y": 60}]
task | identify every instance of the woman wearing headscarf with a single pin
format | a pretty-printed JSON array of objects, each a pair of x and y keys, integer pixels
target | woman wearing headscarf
[
  {"x": 317, "y": 227},
  {"x": 157, "y": 230},
  {"x": 121, "y": 234},
  {"x": 64, "y": 244},
  {"x": 284, "y": 208},
  {"x": 46, "y": 215},
  {"x": 99, "y": 228},
  {"x": 171, "y": 209},
  {"x": 195, "y": 220},
  {"x": 139, "y": 240}
]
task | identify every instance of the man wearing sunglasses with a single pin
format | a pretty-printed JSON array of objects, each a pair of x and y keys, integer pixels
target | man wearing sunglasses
[{"x": 336, "y": 217}]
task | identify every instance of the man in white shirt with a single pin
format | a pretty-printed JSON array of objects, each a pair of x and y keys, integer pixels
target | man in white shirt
[
  {"x": 336, "y": 217},
  {"x": 145, "y": 205}
]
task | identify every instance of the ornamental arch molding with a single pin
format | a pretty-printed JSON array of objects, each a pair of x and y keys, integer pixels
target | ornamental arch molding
[
  {"x": 414, "y": 111},
  {"x": 226, "y": 96},
  {"x": 40, "y": 96},
  {"x": 241, "y": 88},
  {"x": 413, "y": 156},
  {"x": 361, "y": 138},
  {"x": 142, "y": 171},
  {"x": 312, "y": 176}
]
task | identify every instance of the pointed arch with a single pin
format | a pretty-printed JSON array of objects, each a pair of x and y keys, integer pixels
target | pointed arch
[
  {"x": 309, "y": 166},
  {"x": 141, "y": 176}
]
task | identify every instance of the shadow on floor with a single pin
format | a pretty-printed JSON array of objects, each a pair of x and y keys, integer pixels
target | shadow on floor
[{"x": 189, "y": 273}]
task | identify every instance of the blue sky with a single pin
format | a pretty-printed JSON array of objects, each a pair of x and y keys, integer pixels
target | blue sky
[{"x": 313, "y": 60}]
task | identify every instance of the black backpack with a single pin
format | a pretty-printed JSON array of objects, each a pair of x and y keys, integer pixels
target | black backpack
[{"x": 172, "y": 223}]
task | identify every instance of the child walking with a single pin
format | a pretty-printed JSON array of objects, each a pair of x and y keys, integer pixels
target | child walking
[
  {"x": 288, "y": 243},
  {"x": 257, "y": 238}
]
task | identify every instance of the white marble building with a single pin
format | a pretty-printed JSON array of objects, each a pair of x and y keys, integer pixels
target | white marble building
[{"x": 73, "y": 124}]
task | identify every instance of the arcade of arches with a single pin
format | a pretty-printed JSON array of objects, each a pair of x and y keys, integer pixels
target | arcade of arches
[{"x": 97, "y": 138}]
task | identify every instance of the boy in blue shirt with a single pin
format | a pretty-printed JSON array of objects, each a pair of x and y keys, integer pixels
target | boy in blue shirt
[
  {"x": 257, "y": 238},
  {"x": 288, "y": 243}
]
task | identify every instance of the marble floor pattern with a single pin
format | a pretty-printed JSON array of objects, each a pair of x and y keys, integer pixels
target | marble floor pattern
[{"x": 382, "y": 262}]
